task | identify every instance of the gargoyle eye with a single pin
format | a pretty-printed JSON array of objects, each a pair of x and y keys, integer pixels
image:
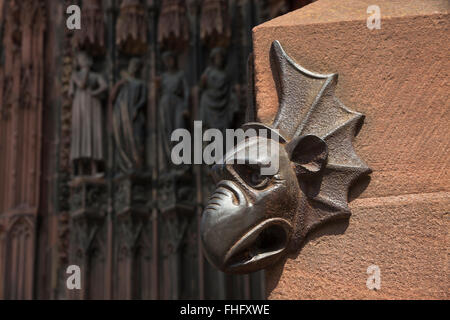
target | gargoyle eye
[{"x": 251, "y": 174}]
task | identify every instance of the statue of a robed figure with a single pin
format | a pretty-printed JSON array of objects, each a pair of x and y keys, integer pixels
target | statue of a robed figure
[
  {"x": 128, "y": 99},
  {"x": 86, "y": 88},
  {"x": 219, "y": 103},
  {"x": 173, "y": 107},
  {"x": 174, "y": 185}
]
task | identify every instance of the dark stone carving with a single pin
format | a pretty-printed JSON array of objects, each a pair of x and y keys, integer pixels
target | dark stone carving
[
  {"x": 86, "y": 87},
  {"x": 22, "y": 79},
  {"x": 93, "y": 219},
  {"x": 175, "y": 189},
  {"x": 21, "y": 233},
  {"x": 132, "y": 203},
  {"x": 215, "y": 24},
  {"x": 64, "y": 172},
  {"x": 219, "y": 103},
  {"x": 87, "y": 229},
  {"x": 175, "y": 228},
  {"x": 253, "y": 220},
  {"x": 131, "y": 28},
  {"x": 173, "y": 25},
  {"x": 87, "y": 250},
  {"x": 12, "y": 45},
  {"x": 129, "y": 98},
  {"x": 174, "y": 100},
  {"x": 32, "y": 19},
  {"x": 83, "y": 236},
  {"x": 91, "y": 37},
  {"x": 130, "y": 227},
  {"x": 88, "y": 197},
  {"x": 132, "y": 194}
]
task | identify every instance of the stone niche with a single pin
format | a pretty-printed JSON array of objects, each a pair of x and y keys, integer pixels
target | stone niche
[{"x": 397, "y": 76}]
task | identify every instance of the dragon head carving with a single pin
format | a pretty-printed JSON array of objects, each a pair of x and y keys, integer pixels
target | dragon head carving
[{"x": 252, "y": 220}]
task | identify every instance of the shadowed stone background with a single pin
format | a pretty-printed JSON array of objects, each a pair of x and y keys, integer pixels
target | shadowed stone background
[{"x": 131, "y": 227}]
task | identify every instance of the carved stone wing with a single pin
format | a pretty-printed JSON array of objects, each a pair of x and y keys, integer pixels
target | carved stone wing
[{"x": 308, "y": 106}]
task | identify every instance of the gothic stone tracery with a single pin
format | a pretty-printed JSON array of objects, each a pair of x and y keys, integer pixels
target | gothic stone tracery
[{"x": 121, "y": 222}]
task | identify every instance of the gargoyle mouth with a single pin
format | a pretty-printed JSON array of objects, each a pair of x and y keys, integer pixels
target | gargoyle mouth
[{"x": 259, "y": 247}]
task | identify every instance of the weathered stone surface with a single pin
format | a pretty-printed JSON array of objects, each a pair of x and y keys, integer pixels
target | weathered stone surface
[
  {"x": 406, "y": 236},
  {"x": 398, "y": 77}
]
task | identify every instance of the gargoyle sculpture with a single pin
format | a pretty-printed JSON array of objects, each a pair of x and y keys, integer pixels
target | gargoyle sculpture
[{"x": 251, "y": 220}]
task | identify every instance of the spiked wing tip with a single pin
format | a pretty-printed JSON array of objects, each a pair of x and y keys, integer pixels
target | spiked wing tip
[{"x": 308, "y": 106}]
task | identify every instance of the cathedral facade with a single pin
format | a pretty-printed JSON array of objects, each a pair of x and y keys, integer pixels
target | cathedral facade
[{"x": 86, "y": 116}]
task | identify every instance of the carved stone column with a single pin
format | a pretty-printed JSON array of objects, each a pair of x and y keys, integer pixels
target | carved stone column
[
  {"x": 175, "y": 224},
  {"x": 2, "y": 258},
  {"x": 21, "y": 100},
  {"x": 175, "y": 189},
  {"x": 18, "y": 283},
  {"x": 88, "y": 207},
  {"x": 133, "y": 231}
]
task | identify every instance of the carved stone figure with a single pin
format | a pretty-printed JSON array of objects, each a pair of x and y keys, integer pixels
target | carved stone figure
[
  {"x": 174, "y": 98},
  {"x": 174, "y": 182},
  {"x": 252, "y": 220},
  {"x": 218, "y": 104},
  {"x": 129, "y": 98},
  {"x": 86, "y": 88}
]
